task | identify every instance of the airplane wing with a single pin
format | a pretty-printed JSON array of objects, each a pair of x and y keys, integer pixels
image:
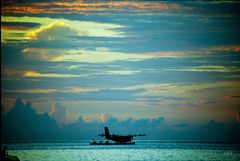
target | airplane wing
[
  {"x": 138, "y": 135},
  {"x": 102, "y": 135}
]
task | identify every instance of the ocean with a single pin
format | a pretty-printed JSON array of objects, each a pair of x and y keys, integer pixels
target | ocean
[{"x": 143, "y": 150}]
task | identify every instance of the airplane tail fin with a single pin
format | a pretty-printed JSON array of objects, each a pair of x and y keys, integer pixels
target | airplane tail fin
[{"x": 107, "y": 134}]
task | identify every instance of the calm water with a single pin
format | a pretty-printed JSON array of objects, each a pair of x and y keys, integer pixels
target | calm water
[{"x": 141, "y": 151}]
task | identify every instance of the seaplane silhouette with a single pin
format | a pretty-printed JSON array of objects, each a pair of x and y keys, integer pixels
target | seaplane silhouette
[{"x": 117, "y": 139}]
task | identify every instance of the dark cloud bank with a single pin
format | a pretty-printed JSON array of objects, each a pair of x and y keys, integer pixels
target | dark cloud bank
[{"x": 23, "y": 123}]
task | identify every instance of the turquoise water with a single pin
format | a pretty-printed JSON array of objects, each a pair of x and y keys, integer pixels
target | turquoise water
[{"x": 141, "y": 151}]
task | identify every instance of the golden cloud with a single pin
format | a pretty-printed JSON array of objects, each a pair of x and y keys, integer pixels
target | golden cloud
[
  {"x": 54, "y": 31},
  {"x": 226, "y": 48},
  {"x": 48, "y": 75},
  {"x": 83, "y": 6},
  {"x": 8, "y": 27}
]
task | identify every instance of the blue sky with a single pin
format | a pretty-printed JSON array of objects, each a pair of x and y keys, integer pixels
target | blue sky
[{"x": 139, "y": 59}]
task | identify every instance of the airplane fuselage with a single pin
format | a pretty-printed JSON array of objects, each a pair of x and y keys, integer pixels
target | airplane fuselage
[{"x": 119, "y": 138}]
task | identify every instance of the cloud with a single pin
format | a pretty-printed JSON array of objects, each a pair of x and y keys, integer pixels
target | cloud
[
  {"x": 39, "y": 90},
  {"x": 59, "y": 113},
  {"x": 23, "y": 123},
  {"x": 122, "y": 72},
  {"x": 155, "y": 93},
  {"x": 73, "y": 67},
  {"x": 11, "y": 27},
  {"x": 80, "y": 90},
  {"x": 8, "y": 27},
  {"x": 56, "y": 7},
  {"x": 164, "y": 87},
  {"x": 34, "y": 74},
  {"x": 113, "y": 72},
  {"x": 104, "y": 117},
  {"x": 54, "y": 90},
  {"x": 105, "y": 56},
  {"x": 50, "y": 29},
  {"x": 57, "y": 30},
  {"x": 226, "y": 48},
  {"x": 100, "y": 71},
  {"x": 78, "y": 55},
  {"x": 205, "y": 68},
  {"x": 183, "y": 93},
  {"x": 7, "y": 72},
  {"x": 13, "y": 74}
]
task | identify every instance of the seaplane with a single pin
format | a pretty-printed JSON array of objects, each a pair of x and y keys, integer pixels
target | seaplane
[{"x": 117, "y": 139}]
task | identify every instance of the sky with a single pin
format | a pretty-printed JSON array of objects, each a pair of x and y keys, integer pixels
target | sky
[{"x": 139, "y": 60}]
